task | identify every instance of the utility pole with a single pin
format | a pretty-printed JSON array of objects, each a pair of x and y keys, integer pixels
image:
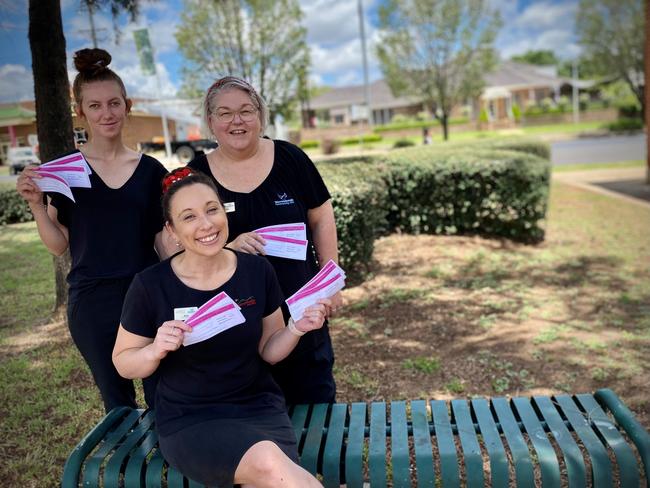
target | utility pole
[
  {"x": 362, "y": 31},
  {"x": 574, "y": 91},
  {"x": 93, "y": 33}
]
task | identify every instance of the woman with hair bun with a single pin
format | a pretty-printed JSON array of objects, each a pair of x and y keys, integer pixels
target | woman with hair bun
[{"x": 110, "y": 228}]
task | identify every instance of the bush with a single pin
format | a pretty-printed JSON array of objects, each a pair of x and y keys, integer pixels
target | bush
[
  {"x": 364, "y": 139},
  {"x": 359, "y": 198},
  {"x": 516, "y": 112},
  {"x": 629, "y": 111},
  {"x": 13, "y": 208},
  {"x": 468, "y": 191},
  {"x": 403, "y": 143},
  {"x": 625, "y": 125},
  {"x": 309, "y": 144}
]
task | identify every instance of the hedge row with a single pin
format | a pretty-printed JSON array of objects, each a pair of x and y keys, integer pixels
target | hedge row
[{"x": 495, "y": 188}]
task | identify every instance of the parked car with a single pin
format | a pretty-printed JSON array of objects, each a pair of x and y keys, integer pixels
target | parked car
[{"x": 19, "y": 157}]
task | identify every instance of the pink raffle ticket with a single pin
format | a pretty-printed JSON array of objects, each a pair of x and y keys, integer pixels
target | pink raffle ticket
[
  {"x": 285, "y": 240},
  {"x": 218, "y": 314},
  {"x": 329, "y": 280},
  {"x": 59, "y": 175}
]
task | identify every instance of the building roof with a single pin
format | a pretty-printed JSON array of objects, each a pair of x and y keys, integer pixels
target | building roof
[
  {"x": 15, "y": 114},
  {"x": 344, "y": 96},
  {"x": 511, "y": 74}
]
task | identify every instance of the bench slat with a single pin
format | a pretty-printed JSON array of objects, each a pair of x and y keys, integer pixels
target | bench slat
[
  {"x": 354, "y": 447},
  {"x": 469, "y": 443},
  {"x": 298, "y": 420},
  {"x": 377, "y": 448},
  {"x": 422, "y": 444},
  {"x": 119, "y": 457},
  {"x": 600, "y": 465},
  {"x": 493, "y": 444},
  {"x": 449, "y": 472},
  {"x": 136, "y": 466},
  {"x": 400, "y": 445},
  {"x": 314, "y": 437},
  {"x": 333, "y": 446},
  {"x": 549, "y": 465},
  {"x": 174, "y": 478},
  {"x": 518, "y": 447},
  {"x": 573, "y": 460},
  {"x": 154, "y": 476},
  {"x": 94, "y": 463},
  {"x": 627, "y": 466}
]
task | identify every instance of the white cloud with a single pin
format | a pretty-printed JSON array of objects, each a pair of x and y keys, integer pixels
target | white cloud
[
  {"x": 541, "y": 15},
  {"x": 16, "y": 83},
  {"x": 331, "y": 22}
]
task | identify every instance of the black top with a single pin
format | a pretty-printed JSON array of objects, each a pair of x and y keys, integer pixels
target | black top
[
  {"x": 292, "y": 187},
  {"x": 221, "y": 377},
  {"x": 112, "y": 231}
]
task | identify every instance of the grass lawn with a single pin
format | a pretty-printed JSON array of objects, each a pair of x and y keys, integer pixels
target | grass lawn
[{"x": 439, "y": 316}]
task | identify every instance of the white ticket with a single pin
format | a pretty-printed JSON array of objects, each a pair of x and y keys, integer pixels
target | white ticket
[
  {"x": 297, "y": 230},
  {"x": 285, "y": 247},
  {"x": 76, "y": 159},
  {"x": 75, "y": 176},
  {"x": 326, "y": 283},
  {"x": 53, "y": 183}
]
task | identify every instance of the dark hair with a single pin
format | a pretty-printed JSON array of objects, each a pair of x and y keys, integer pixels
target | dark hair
[
  {"x": 92, "y": 65},
  {"x": 180, "y": 178}
]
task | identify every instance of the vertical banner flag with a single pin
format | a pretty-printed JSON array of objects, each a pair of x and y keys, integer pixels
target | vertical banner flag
[{"x": 143, "y": 46}]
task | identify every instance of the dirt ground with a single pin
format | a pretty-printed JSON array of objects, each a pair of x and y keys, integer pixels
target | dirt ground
[{"x": 442, "y": 317}]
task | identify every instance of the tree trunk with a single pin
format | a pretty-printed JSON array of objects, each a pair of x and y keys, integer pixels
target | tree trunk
[
  {"x": 647, "y": 89},
  {"x": 444, "y": 121},
  {"x": 52, "y": 96}
]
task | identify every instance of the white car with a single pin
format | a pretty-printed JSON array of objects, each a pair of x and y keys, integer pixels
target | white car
[{"x": 19, "y": 157}]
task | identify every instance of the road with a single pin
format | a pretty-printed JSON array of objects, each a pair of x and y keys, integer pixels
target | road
[{"x": 599, "y": 150}]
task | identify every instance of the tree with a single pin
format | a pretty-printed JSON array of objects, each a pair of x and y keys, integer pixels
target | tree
[
  {"x": 542, "y": 57},
  {"x": 52, "y": 94},
  {"x": 612, "y": 36},
  {"x": 437, "y": 51},
  {"x": 261, "y": 41}
]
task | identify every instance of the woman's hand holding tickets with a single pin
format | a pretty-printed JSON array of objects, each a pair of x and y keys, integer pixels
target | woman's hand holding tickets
[
  {"x": 169, "y": 337},
  {"x": 249, "y": 242},
  {"x": 27, "y": 188},
  {"x": 314, "y": 316}
]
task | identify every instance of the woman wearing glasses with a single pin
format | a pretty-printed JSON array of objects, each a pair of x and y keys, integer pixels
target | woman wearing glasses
[{"x": 266, "y": 182}]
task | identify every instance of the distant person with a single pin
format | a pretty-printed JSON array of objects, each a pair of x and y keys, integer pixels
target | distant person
[
  {"x": 220, "y": 417},
  {"x": 111, "y": 228},
  {"x": 266, "y": 182},
  {"x": 426, "y": 136}
]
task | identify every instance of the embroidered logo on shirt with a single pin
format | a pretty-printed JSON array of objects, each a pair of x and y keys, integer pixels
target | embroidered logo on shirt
[
  {"x": 283, "y": 200},
  {"x": 246, "y": 302}
]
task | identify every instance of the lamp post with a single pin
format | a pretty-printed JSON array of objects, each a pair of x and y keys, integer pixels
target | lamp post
[{"x": 362, "y": 33}]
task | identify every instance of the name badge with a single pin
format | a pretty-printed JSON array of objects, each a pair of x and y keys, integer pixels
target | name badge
[
  {"x": 183, "y": 313},
  {"x": 229, "y": 207}
]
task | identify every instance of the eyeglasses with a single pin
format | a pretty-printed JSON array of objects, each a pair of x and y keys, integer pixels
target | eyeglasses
[{"x": 246, "y": 114}]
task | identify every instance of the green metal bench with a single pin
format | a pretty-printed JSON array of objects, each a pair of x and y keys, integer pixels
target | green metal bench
[{"x": 575, "y": 441}]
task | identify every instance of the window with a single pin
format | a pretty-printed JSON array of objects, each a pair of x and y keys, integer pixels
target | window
[{"x": 339, "y": 119}]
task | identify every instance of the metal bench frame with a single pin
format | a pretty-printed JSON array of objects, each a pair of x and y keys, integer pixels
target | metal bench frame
[{"x": 416, "y": 443}]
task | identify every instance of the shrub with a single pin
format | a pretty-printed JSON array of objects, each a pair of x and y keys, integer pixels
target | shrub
[
  {"x": 516, "y": 112},
  {"x": 629, "y": 111},
  {"x": 625, "y": 125},
  {"x": 364, "y": 139},
  {"x": 473, "y": 191},
  {"x": 309, "y": 144},
  {"x": 403, "y": 143},
  {"x": 13, "y": 208},
  {"x": 360, "y": 207}
]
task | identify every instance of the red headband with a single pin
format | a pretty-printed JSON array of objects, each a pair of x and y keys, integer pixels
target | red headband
[{"x": 174, "y": 176}]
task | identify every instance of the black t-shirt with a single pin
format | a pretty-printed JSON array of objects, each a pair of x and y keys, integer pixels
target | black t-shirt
[
  {"x": 112, "y": 231},
  {"x": 292, "y": 187},
  {"x": 221, "y": 377}
]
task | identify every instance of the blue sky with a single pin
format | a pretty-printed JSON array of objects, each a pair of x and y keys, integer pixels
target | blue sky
[{"x": 332, "y": 34}]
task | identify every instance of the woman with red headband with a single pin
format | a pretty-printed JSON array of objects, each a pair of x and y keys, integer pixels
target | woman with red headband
[
  {"x": 220, "y": 417},
  {"x": 110, "y": 228},
  {"x": 266, "y": 182}
]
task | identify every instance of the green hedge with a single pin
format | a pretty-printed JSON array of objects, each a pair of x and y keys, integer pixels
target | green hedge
[
  {"x": 418, "y": 124},
  {"x": 359, "y": 198},
  {"x": 309, "y": 144},
  {"x": 13, "y": 208},
  {"x": 473, "y": 191},
  {"x": 364, "y": 139}
]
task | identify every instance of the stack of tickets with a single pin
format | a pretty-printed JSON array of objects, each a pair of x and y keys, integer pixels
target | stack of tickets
[
  {"x": 213, "y": 317},
  {"x": 59, "y": 175},
  {"x": 329, "y": 280},
  {"x": 285, "y": 240}
]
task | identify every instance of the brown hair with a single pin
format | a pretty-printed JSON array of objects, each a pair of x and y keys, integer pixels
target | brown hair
[
  {"x": 92, "y": 65},
  {"x": 180, "y": 178},
  {"x": 229, "y": 83}
]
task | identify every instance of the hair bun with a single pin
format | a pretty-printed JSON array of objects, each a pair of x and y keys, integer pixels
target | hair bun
[{"x": 91, "y": 60}]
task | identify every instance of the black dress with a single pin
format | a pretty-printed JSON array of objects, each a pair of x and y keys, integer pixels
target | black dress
[
  {"x": 291, "y": 189},
  {"x": 216, "y": 398},
  {"x": 111, "y": 237}
]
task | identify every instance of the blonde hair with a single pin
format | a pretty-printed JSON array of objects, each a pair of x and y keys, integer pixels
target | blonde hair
[{"x": 229, "y": 83}]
